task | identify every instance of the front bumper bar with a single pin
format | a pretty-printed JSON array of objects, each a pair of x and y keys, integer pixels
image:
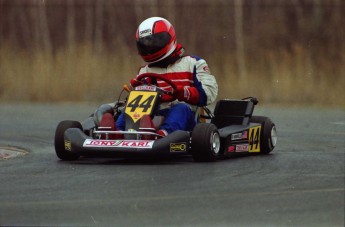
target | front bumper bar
[{"x": 77, "y": 142}]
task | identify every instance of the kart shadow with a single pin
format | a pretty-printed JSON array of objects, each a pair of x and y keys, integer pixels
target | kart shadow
[
  {"x": 135, "y": 161},
  {"x": 165, "y": 160}
]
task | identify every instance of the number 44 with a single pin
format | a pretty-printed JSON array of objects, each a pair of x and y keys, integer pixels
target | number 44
[
  {"x": 137, "y": 102},
  {"x": 254, "y": 139}
]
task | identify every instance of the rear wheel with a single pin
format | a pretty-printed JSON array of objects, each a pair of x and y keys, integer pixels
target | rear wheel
[
  {"x": 205, "y": 142},
  {"x": 60, "y": 147},
  {"x": 268, "y": 138}
]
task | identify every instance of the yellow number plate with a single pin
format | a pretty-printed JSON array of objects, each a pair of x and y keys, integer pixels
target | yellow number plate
[
  {"x": 140, "y": 103},
  {"x": 254, "y": 139}
]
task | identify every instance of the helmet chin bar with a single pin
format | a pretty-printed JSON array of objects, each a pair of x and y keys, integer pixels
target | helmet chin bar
[{"x": 172, "y": 49}]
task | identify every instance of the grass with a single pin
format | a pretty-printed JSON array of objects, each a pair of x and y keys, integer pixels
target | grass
[
  {"x": 288, "y": 78},
  {"x": 278, "y": 77},
  {"x": 65, "y": 77}
]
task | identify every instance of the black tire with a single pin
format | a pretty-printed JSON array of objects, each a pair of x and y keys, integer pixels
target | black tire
[
  {"x": 205, "y": 143},
  {"x": 60, "y": 150},
  {"x": 268, "y": 138}
]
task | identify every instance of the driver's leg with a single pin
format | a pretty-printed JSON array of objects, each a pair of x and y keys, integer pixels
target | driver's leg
[
  {"x": 120, "y": 122},
  {"x": 178, "y": 117}
]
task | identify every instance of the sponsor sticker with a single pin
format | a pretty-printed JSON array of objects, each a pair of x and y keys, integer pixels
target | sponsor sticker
[
  {"x": 242, "y": 148},
  {"x": 236, "y": 136},
  {"x": 136, "y": 116},
  {"x": 145, "y": 32},
  {"x": 239, "y": 136},
  {"x": 68, "y": 145},
  {"x": 231, "y": 149},
  {"x": 145, "y": 88},
  {"x": 119, "y": 143},
  {"x": 178, "y": 147},
  {"x": 206, "y": 69}
]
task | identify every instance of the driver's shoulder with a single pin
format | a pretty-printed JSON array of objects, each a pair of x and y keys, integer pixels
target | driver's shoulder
[
  {"x": 192, "y": 58},
  {"x": 147, "y": 69},
  {"x": 191, "y": 61}
]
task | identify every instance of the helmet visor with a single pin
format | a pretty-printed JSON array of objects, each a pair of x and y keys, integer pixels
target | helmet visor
[{"x": 153, "y": 43}]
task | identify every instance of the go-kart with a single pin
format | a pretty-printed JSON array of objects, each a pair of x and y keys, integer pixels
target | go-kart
[{"x": 230, "y": 129}]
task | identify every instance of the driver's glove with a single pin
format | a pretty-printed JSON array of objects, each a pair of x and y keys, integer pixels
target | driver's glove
[
  {"x": 187, "y": 94},
  {"x": 135, "y": 83}
]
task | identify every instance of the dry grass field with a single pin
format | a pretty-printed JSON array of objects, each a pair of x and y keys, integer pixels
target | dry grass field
[
  {"x": 77, "y": 76},
  {"x": 84, "y": 76}
]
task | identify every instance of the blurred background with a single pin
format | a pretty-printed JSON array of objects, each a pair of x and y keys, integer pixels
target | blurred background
[{"x": 286, "y": 52}]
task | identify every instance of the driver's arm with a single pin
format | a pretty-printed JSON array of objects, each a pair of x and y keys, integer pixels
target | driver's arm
[{"x": 205, "y": 88}]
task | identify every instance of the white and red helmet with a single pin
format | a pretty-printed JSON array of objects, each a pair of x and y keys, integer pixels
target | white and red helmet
[{"x": 156, "y": 39}]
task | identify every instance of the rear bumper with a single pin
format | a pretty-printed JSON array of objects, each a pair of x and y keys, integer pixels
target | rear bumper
[{"x": 175, "y": 143}]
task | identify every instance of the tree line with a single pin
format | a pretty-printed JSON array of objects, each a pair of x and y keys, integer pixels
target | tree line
[{"x": 204, "y": 25}]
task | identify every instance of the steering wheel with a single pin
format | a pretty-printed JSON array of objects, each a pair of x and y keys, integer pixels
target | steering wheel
[{"x": 158, "y": 76}]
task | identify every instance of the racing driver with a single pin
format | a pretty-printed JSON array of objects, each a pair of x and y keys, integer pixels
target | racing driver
[{"x": 157, "y": 45}]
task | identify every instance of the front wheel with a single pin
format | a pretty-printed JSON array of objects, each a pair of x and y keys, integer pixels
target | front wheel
[
  {"x": 205, "y": 142},
  {"x": 268, "y": 133},
  {"x": 60, "y": 146}
]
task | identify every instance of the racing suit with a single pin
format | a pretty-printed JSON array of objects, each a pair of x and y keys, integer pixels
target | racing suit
[{"x": 196, "y": 87}]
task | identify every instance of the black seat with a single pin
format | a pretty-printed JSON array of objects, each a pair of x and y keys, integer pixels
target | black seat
[{"x": 232, "y": 112}]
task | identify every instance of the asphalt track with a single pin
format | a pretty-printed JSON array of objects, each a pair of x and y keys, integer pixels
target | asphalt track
[{"x": 301, "y": 183}]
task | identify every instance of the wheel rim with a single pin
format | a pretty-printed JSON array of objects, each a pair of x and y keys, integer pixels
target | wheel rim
[
  {"x": 215, "y": 142},
  {"x": 274, "y": 136}
]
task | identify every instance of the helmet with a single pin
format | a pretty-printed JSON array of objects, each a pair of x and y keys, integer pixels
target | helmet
[{"x": 156, "y": 39}]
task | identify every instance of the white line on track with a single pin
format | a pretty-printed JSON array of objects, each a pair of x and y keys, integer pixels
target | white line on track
[{"x": 338, "y": 123}]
